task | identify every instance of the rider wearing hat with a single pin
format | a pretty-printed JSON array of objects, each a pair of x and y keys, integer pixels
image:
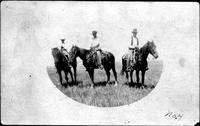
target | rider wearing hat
[
  {"x": 132, "y": 48},
  {"x": 95, "y": 46},
  {"x": 63, "y": 48}
]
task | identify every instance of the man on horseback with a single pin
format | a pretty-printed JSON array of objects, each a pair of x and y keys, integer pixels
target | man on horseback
[
  {"x": 133, "y": 48},
  {"x": 64, "y": 50},
  {"x": 95, "y": 47}
]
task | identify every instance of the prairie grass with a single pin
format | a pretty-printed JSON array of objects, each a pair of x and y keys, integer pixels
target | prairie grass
[{"x": 103, "y": 95}]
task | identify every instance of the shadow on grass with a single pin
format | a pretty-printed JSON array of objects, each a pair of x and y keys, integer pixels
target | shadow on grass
[
  {"x": 70, "y": 84},
  {"x": 103, "y": 83},
  {"x": 136, "y": 85},
  {"x": 80, "y": 84}
]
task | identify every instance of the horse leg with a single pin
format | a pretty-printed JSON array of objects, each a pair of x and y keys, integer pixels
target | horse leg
[
  {"x": 70, "y": 72},
  {"x": 74, "y": 67},
  {"x": 123, "y": 66},
  {"x": 115, "y": 75},
  {"x": 66, "y": 73},
  {"x": 108, "y": 76},
  {"x": 143, "y": 77},
  {"x": 131, "y": 76},
  {"x": 60, "y": 76},
  {"x": 137, "y": 77},
  {"x": 91, "y": 73},
  {"x": 127, "y": 80}
]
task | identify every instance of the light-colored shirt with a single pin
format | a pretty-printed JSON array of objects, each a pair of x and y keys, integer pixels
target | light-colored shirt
[
  {"x": 134, "y": 42},
  {"x": 67, "y": 45},
  {"x": 94, "y": 43},
  {"x": 63, "y": 45}
]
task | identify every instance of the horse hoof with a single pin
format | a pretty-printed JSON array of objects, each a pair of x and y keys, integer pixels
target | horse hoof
[
  {"x": 92, "y": 86},
  {"x": 116, "y": 84},
  {"x": 107, "y": 83}
]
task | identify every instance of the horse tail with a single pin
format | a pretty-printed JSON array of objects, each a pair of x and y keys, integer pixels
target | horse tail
[
  {"x": 113, "y": 66},
  {"x": 113, "y": 61},
  {"x": 123, "y": 66}
]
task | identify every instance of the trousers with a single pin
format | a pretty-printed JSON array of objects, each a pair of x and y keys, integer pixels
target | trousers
[
  {"x": 130, "y": 58},
  {"x": 97, "y": 49}
]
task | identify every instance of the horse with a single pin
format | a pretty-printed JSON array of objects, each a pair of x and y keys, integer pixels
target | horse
[
  {"x": 141, "y": 62},
  {"x": 62, "y": 64},
  {"x": 73, "y": 63},
  {"x": 89, "y": 62}
]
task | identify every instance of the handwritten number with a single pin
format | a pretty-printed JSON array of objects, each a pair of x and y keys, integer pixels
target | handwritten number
[{"x": 174, "y": 115}]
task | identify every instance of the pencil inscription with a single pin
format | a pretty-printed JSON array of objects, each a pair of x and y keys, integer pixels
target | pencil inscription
[{"x": 173, "y": 115}]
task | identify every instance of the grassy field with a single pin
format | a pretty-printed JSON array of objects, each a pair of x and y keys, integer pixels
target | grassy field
[{"x": 107, "y": 96}]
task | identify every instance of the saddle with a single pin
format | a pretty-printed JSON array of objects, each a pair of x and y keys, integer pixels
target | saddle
[
  {"x": 92, "y": 57},
  {"x": 133, "y": 58},
  {"x": 66, "y": 56}
]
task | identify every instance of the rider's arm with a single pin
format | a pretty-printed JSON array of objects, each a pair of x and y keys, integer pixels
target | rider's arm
[
  {"x": 97, "y": 45},
  {"x": 131, "y": 40},
  {"x": 94, "y": 45},
  {"x": 91, "y": 45},
  {"x": 137, "y": 42}
]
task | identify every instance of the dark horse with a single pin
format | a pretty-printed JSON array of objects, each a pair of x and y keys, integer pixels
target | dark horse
[
  {"x": 61, "y": 64},
  {"x": 73, "y": 63},
  {"x": 108, "y": 61},
  {"x": 141, "y": 61}
]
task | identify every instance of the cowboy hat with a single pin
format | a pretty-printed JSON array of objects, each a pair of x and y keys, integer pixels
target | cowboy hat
[
  {"x": 134, "y": 30},
  {"x": 62, "y": 40},
  {"x": 94, "y": 32}
]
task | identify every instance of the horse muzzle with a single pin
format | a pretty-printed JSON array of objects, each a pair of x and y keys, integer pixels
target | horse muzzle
[{"x": 155, "y": 55}]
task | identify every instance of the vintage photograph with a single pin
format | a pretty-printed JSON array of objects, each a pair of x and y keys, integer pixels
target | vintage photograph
[
  {"x": 96, "y": 88},
  {"x": 99, "y": 63},
  {"x": 94, "y": 67}
]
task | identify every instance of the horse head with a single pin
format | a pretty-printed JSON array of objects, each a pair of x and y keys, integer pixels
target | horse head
[
  {"x": 54, "y": 51},
  {"x": 56, "y": 54},
  {"x": 73, "y": 52},
  {"x": 152, "y": 49}
]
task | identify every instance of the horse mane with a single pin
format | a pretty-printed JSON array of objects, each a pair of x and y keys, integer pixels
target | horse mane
[
  {"x": 57, "y": 55},
  {"x": 82, "y": 49},
  {"x": 143, "y": 48},
  {"x": 55, "y": 52}
]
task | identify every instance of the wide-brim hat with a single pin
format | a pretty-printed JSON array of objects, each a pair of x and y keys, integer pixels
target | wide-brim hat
[
  {"x": 94, "y": 32},
  {"x": 134, "y": 30},
  {"x": 62, "y": 40}
]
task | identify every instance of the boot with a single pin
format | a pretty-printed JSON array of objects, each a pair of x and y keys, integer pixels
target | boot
[{"x": 101, "y": 67}]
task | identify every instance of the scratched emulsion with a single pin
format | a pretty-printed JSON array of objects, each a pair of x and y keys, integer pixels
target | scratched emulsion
[
  {"x": 182, "y": 62},
  {"x": 21, "y": 77}
]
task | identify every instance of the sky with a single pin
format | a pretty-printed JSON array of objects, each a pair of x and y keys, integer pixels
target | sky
[{"x": 45, "y": 23}]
